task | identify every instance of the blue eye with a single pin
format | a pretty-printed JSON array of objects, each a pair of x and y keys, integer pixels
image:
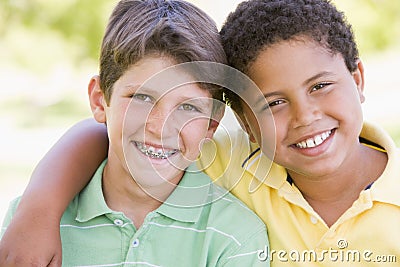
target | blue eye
[
  {"x": 142, "y": 97},
  {"x": 188, "y": 107}
]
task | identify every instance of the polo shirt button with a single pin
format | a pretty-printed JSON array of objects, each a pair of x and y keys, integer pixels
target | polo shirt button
[
  {"x": 313, "y": 220},
  {"x": 135, "y": 243},
  {"x": 118, "y": 222}
]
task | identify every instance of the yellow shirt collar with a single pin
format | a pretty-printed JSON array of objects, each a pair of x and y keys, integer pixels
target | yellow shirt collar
[{"x": 385, "y": 189}]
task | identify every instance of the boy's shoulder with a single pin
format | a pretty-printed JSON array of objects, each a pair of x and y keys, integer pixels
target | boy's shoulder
[
  {"x": 232, "y": 226},
  {"x": 215, "y": 203},
  {"x": 222, "y": 206},
  {"x": 225, "y": 205}
]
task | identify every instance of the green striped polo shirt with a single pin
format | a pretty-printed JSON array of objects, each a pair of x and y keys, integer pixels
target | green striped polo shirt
[{"x": 200, "y": 224}]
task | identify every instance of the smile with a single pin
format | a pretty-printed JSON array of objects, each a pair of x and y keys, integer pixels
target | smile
[
  {"x": 314, "y": 141},
  {"x": 155, "y": 153}
]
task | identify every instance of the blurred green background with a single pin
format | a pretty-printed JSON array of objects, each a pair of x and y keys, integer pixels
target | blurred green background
[{"x": 49, "y": 50}]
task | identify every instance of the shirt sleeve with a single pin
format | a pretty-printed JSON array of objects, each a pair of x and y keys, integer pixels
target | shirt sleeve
[
  {"x": 253, "y": 251},
  {"x": 8, "y": 216}
]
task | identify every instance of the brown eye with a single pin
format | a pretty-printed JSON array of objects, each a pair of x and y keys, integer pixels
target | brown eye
[
  {"x": 275, "y": 103},
  {"x": 319, "y": 86}
]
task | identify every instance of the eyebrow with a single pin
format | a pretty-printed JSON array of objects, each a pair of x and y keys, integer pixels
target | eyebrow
[
  {"x": 142, "y": 88},
  {"x": 315, "y": 77}
]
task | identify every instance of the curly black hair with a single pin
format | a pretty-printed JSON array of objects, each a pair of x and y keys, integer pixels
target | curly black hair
[{"x": 258, "y": 24}]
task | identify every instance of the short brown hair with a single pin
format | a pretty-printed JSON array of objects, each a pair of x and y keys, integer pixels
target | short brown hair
[{"x": 173, "y": 28}]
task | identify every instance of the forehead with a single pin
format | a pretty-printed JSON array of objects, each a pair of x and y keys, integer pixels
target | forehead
[
  {"x": 288, "y": 61},
  {"x": 159, "y": 75}
]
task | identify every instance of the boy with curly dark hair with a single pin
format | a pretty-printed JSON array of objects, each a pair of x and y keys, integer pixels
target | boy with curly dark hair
[
  {"x": 333, "y": 180},
  {"x": 334, "y": 177}
]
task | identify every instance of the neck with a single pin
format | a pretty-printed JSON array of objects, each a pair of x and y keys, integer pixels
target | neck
[
  {"x": 333, "y": 194},
  {"x": 123, "y": 194}
]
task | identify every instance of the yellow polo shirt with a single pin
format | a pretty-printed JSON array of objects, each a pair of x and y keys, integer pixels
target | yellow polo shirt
[{"x": 367, "y": 234}]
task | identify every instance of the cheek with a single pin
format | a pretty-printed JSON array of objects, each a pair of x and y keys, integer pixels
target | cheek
[
  {"x": 341, "y": 105},
  {"x": 135, "y": 115},
  {"x": 131, "y": 120},
  {"x": 194, "y": 133},
  {"x": 115, "y": 126}
]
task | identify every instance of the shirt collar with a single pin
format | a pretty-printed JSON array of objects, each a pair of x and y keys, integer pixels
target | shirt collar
[
  {"x": 184, "y": 204},
  {"x": 263, "y": 170},
  {"x": 91, "y": 202},
  {"x": 385, "y": 189}
]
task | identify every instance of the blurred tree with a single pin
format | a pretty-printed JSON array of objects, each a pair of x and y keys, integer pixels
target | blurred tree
[
  {"x": 78, "y": 23},
  {"x": 376, "y": 23},
  {"x": 73, "y": 28}
]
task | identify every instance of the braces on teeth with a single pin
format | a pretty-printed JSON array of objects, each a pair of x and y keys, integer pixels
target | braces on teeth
[{"x": 150, "y": 152}]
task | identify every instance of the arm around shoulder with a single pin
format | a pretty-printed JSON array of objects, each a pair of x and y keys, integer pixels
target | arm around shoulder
[
  {"x": 66, "y": 168},
  {"x": 33, "y": 236}
]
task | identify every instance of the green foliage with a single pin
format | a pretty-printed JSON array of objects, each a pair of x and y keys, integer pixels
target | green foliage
[
  {"x": 394, "y": 131},
  {"x": 376, "y": 23},
  {"x": 30, "y": 113},
  {"x": 78, "y": 23}
]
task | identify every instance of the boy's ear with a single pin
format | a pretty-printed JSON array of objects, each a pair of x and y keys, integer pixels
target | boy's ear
[
  {"x": 214, "y": 121},
  {"x": 358, "y": 76},
  {"x": 245, "y": 126},
  {"x": 241, "y": 118},
  {"x": 96, "y": 98}
]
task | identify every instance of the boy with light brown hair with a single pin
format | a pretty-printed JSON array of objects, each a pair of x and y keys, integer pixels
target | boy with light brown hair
[{"x": 148, "y": 204}]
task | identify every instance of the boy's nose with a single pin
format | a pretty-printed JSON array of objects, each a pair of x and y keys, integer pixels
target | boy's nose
[
  {"x": 304, "y": 113},
  {"x": 155, "y": 121},
  {"x": 158, "y": 122}
]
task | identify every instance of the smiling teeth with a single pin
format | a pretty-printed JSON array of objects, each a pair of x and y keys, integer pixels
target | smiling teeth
[
  {"x": 314, "y": 141},
  {"x": 154, "y": 153}
]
